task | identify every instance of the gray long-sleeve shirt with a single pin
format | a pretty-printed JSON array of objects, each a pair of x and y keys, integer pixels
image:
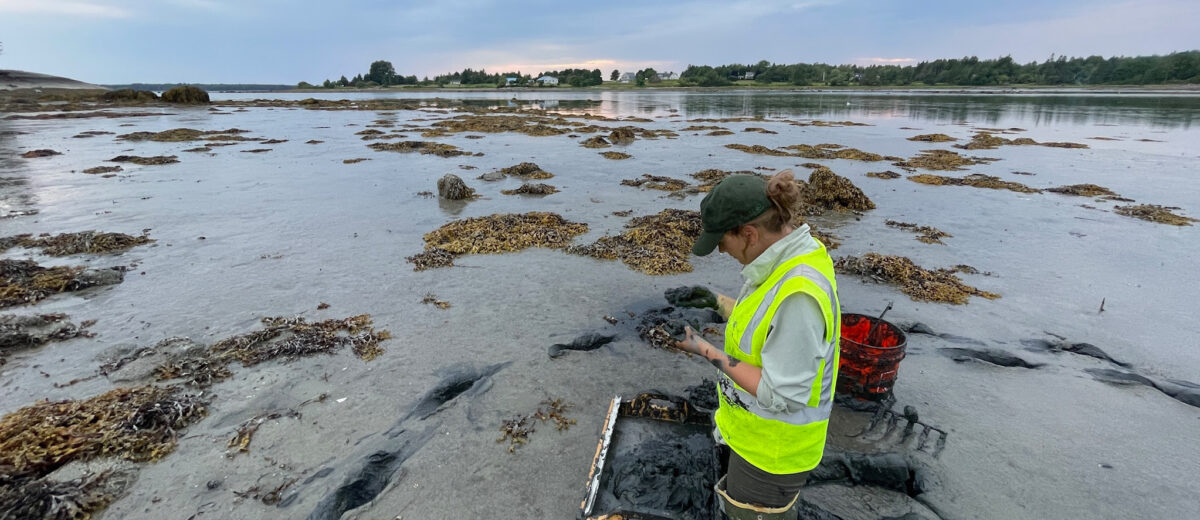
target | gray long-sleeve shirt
[{"x": 795, "y": 345}]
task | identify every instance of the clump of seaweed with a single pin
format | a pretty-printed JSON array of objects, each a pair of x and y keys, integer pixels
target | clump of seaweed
[
  {"x": 1154, "y": 213},
  {"x": 292, "y": 338},
  {"x": 700, "y": 128},
  {"x": 90, "y": 133},
  {"x": 616, "y": 156},
  {"x": 102, "y": 169},
  {"x": 42, "y": 498},
  {"x": 826, "y": 190},
  {"x": 653, "y": 244},
  {"x": 499, "y": 233},
  {"x": 185, "y": 94},
  {"x": 177, "y": 135},
  {"x": 355, "y": 160},
  {"x": 424, "y": 147},
  {"x": 975, "y": 180},
  {"x": 941, "y": 160},
  {"x": 257, "y": 150},
  {"x": 932, "y": 138},
  {"x": 531, "y": 125},
  {"x": 432, "y": 299},
  {"x": 45, "y": 152},
  {"x": 65, "y": 244},
  {"x": 986, "y": 141},
  {"x": 759, "y": 130},
  {"x": 622, "y": 135},
  {"x": 138, "y": 424},
  {"x": 527, "y": 170},
  {"x": 939, "y": 285},
  {"x": 758, "y": 149},
  {"x": 718, "y": 133},
  {"x": 927, "y": 234},
  {"x": 884, "y": 175},
  {"x": 833, "y": 151},
  {"x": 24, "y": 281},
  {"x": 595, "y": 142},
  {"x": 710, "y": 177},
  {"x": 431, "y": 258},
  {"x": 129, "y": 95},
  {"x": 1083, "y": 190},
  {"x": 656, "y": 182},
  {"x": 517, "y": 430},
  {"x": 146, "y": 161},
  {"x": 532, "y": 189}
]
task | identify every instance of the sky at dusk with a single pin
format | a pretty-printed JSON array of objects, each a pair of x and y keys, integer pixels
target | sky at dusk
[{"x": 273, "y": 41}]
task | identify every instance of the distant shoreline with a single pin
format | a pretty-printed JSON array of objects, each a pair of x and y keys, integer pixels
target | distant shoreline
[{"x": 1025, "y": 89}]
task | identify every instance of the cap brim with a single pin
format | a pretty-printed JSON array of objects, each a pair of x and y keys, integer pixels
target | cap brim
[{"x": 707, "y": 242}]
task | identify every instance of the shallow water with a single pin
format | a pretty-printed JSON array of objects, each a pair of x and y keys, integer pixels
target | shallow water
[{"x": 244, "y": 235}]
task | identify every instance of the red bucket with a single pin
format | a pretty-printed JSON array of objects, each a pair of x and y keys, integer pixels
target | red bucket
[{"x": 868, "y": 366}]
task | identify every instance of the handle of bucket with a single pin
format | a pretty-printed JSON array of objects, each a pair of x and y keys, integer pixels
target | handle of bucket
[{"x": 871, "y": 333}]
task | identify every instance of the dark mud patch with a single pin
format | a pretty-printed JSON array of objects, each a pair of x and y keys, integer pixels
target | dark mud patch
[
  {"x": 1082, "y": 349},
  {"x": 456, "y": 381},
  {"x": 372, "y": 477},
  {"x": 653, "y": 244},
  {"x": 584, "y": 343},
  {"x": 940, "y": 285},
  {"x": 24, "y": 281},
  {"x": 925, "y": 234},
  {"x": 671, "y": 475},
  {"x": 974, "y": 180},
  {"x": 662, "y": 327},
  {"x": 941, "y": 160},
  {"x": 1183, "y": 391},
  {"x": 532, "y": 189},
  {"x": 146, "y": 161},
  {"x": 1154, "y": 213},
  {"x": 993, "y": 356}
]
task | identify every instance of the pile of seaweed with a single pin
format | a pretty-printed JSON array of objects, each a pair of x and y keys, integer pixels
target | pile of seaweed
[
  {"x": 530, "y": 125},
  {"x": 939, "y": 285},
  {"x": 820, "y": 151},
  {"x": 927, "y": 234},
  {"x": 532, "y": 189},
  {"x": 1084, "y": 190},
  {"x": 988, "y": 141},
  {"x": 759, "y": 149},
  {"x": 179, "y": 135},
  {"x": 34, "y": 154},
  {"x": 653, "y": 244},
  {"x": 499, "y": 233},
  {"x": 186, "y": 95},
  {"x": 710, "y": 177},
  {"x": 941, "y": 160},
  {"x": 146, "y": 161},
  {"x": 974, "y": 180},
  {"x": 656, "y": 182},
  {"x": 527, "y": 170},
  {"x": 826, "y": 190},
  {"x": 280, "y": 337},
  {"x": 104, "y": 169},
  {"x": 66, "y": 244},
  {"x": 595, "y": 142},
  {"x": 24, "y": 281},
  {"x": 424, "y": 147},
  {"x": 884, "y": 175},
  {"x": 700, "y": 128},
  {"x": 932, "y": 138},
  {"x": 616, "y": 156},
  {"x": 1154, "y": 213},
  {"x": 140, "y": 424}
]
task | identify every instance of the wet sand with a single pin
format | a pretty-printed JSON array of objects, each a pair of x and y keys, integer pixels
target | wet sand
[{"x": 241, "y": 236}]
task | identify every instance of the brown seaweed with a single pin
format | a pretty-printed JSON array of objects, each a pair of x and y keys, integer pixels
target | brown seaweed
[
  {"x": 177, "y": 135},
  {"x": 532, "y": 189},
  {"x": 656, "y": 182},
  {"x": 653, "y": 244},
  {"x": 1083, "y": 190},
  {"x": 975, "y": 180},
  {"x": 941, "y": 160},
  {"x": 65, "y": 244},
  {"x": 499, "y": 233},
  {"x": 616, "y": 156},
  {"x": 927, "y": 234},
  {"x": 932, "y": 138},
  {"x": 939, "y": 285},
  {"x": 146, "y": 161},
  {"x": 424, "y": 147},
  {"x": 102, "y": 169},
  {"x": 884, "y": 175},
  {"x": 24, "y": 281},
  {"x": 1154, "y": 213}
]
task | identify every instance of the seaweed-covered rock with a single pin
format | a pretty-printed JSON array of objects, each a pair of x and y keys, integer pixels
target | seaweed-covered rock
[
  {"x": 424, "y": 147},
  {"x": 974, "y": 180},
  {"x": 34, "y": 154},
  {"x": 623, "y": 135},
  {"x": 503, "y": 233},
  {"x": 656, "y": 182},
  {"x": 24, "y": 281},
  {"x": 186, "y": 95},
  {"x": 532, "y": 189},
  {"x": 65, "y": 244},
  {"x": 146, "y": 161},
  {"x": 654, "y": 244},
  {"x": 129, "y": 95},
  {"x": 526, "y": 170},
  {"x": 19, "y": 332},
  {"x": 932, "y": 138},
  {"x": 452, "y": 187},
  {"x": 828, "y": 190},
  {"x": 595, "y": 142},
  {"x": 1083, "y": 190},
  {"x": 941, "y": 160}
]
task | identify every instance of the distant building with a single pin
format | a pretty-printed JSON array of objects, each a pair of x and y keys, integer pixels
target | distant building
[
  {"x": 548, "y": 80},
  {"x": 510, "y": 80},
  {"x": 667, "y": 76},
  {"x": 627, "y": 77},
  {"x": 454, "y": 83},
  {"x": 748, "y": 75}
]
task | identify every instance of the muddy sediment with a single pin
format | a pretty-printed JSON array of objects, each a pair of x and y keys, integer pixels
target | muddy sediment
[
  {"x": 974, "y": 180},
  {"x": 653, "y": 244},
  {"x": 940, "y": 285}
]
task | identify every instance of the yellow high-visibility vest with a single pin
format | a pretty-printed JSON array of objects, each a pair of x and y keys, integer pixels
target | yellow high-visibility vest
[{"x": 781, "y": 442}]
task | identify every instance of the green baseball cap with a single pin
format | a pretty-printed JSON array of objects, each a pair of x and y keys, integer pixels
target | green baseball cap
[{"x": 734, "y": 201}]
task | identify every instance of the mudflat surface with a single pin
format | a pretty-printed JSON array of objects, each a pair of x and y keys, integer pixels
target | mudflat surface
[{"x": 413, "y": 433}]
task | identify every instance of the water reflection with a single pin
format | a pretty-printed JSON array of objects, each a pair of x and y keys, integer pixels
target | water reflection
[
  {"x": 16, "y": 198},
  {"x": 1029, "y": 110}
]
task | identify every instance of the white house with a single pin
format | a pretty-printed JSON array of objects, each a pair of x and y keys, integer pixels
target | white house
[
  {"x": 548, "y": 80},
  {"x": 667, "y": 76},
  {"x": 627, "y": 77}
]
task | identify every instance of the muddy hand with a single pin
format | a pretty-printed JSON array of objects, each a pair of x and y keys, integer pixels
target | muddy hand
[{"x": 690, "y": 342}]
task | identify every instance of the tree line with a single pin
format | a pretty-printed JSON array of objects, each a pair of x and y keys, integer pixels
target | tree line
[{"x": 1175, "y": 68}]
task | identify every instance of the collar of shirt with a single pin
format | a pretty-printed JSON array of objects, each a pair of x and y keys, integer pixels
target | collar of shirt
[{"x": 798, "y": 242}]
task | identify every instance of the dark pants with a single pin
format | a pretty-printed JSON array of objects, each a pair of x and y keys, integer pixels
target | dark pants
[{"x": 748, "y": 484}]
